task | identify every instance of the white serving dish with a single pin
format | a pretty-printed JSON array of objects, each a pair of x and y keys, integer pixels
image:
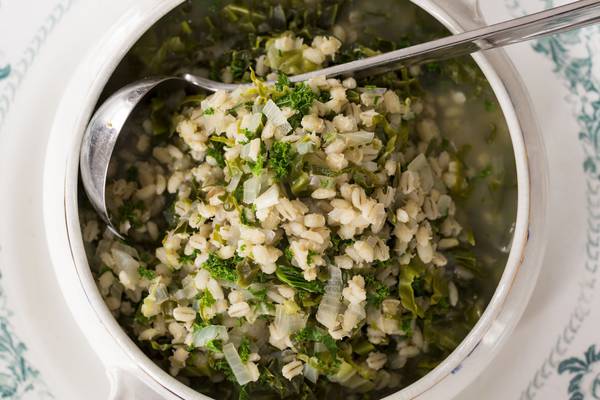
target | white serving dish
[{"x": 133, "y": 374}]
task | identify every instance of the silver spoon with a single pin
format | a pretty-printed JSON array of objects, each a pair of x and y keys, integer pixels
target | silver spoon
[{"x": 108, "y": 121}]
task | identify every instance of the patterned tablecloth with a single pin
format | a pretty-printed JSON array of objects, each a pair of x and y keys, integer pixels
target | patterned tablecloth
[{"x": 554, "y": 352}]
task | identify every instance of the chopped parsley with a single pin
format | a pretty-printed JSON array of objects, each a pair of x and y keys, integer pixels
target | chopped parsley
[
  {"x": 280, "y": 159},
  {"x": 300, "y": 98},
  {"x": 222, "y": 269},
  {"x": 376, "y": 290}
]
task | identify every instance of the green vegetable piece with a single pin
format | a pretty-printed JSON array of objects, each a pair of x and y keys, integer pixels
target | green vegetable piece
[
  {"x": 146, "y": 273},
  {"x": 376, "y": 290},
  {"x": 222, "y": 269},
  {"x": 293, "y": 277},
  {"x": 300, "y": 184},
  {"x": 408, "y": 275},
  {"x": 310, "y": 256},
  {"x": 439, "y": 285},
  {"x": 280, "y": 159},
  {"x": 282, "y": 82},
  {"x": 300, "y": 98},
  {"x": 215, "y": 150},
  {"x": 216, "y": 346},
  {"x": 312, "y": 334},
  {"x": 363, "y": 347},
  {"x": 244, "y": 349},
  {"x": 257, "y": 167}
]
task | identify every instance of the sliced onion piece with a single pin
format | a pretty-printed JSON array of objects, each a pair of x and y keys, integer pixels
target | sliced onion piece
[
  {"x": 311, "y": 373},
  {"x": 276, "y": 117},
  {"x": 252, "y": 122},
  {"x": 240, "y": 371},
  {"x": 330, "y": 305},
  {"x": 233, "y": 183},
  {"x": 288, "y": 324},
  {"x": 304, "y": 147},
  {"x": 268, "y": 198},
  {"x": 251, "y": 189}
]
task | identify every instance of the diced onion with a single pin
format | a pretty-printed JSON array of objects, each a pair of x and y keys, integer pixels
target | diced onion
[
  {"x": 276, "y": 117},
  {"x": 203, "y": 336},
  {"x": 252, "y": 122},
  {"x": 251, "y": 189},
  {"x": 240, "y": 371},
  {"x": 304, "y": 147},
  {"x": 268, "y": 198},
  {"x": 161, "y": 293},
  {"x": 124, "y": 260},
  {"x": 311, "y": 373}
]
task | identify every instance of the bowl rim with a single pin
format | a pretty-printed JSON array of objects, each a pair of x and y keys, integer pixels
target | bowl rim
[{"x": 153, "y": 372}]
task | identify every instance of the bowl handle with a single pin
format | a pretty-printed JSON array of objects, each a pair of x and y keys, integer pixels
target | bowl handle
[
  {"x": 465, "y": 12},
  {"x": 126, "y": 385}
]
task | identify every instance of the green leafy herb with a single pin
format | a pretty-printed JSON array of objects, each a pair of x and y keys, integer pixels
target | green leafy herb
[
  {"x": 300, "y": 98},
  {"x": 282, "y": 82},
  {"x": 215, "y": 150},
  {"x": 310, "y": 256},
  {"x": 206, "y": 299},
  {"x": 312, "y": 334},
  {"x": 146, "y": 273},
  {"x": 188, "y": 259},
  {"x": 244, "y": 349},
  {"x": 222, "y": 366},
  {"x": 280, "y": 159},
  {"x": 293, "y": 277},
  {"x": 376, "y": 290},
  {"x": 209, "y": 111},
  {"x": 409, "y": 274},
  {"x": 257, "y": 167},
  {"x": 216, "y": 346},
  {"x": 222, "y": 269},
  {"x": 260, "y": 294}
]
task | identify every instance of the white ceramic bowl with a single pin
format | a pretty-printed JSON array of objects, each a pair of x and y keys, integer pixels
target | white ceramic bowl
[{"x": 134, "y": 376}]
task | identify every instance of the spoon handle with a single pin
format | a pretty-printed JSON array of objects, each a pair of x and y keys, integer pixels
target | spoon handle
[{"x": 574, "y": 15}]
